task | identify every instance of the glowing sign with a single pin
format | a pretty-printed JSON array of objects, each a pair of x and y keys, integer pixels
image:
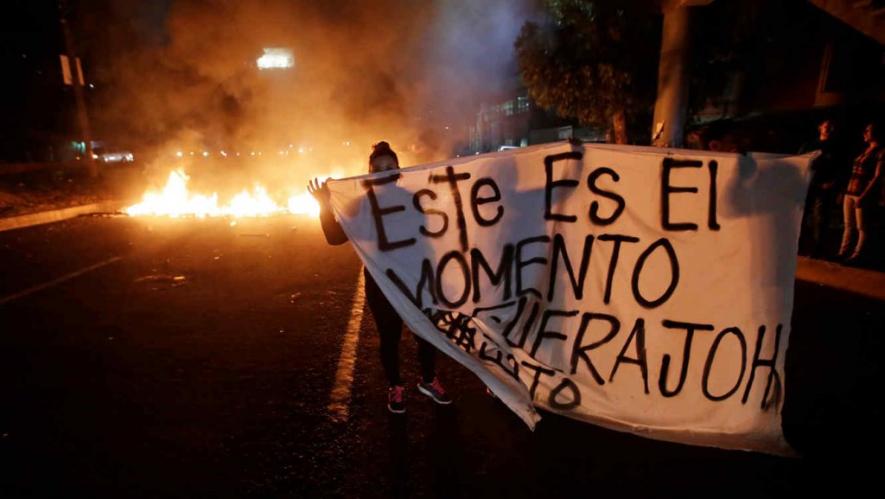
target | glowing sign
[{"x": 276, "y": 58}]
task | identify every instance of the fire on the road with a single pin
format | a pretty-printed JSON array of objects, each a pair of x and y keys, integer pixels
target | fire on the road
[{"x": 175, "y": 200}]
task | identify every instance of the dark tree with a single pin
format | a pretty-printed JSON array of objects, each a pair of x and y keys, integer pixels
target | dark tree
[{"x": 595, "y": 61}]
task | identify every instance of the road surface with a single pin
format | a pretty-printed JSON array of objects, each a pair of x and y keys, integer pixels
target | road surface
[{"x": 183, "y": 358}]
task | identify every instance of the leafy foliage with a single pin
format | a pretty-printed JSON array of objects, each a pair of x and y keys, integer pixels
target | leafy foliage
[{"x": 592, "y": 59}]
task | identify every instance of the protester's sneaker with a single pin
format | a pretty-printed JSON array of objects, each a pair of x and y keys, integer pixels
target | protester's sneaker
[
  {"x": 435, "y": 390},
  {"x": 396, "y": 399}
]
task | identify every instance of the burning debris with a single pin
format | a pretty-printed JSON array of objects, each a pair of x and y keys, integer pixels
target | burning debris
[{"x": 175, "y": 200}]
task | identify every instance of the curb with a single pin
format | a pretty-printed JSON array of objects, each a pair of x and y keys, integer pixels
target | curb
[
  {"x": 51, "y": 216},
  {"x": 864, "y": 282}
]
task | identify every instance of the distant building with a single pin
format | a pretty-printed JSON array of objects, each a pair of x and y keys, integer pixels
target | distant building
[
  {"x": 503, "y": 124},
  {"x": 37, "y": 122},
  {"x": 516, "y": 121},
  {"x": 797, "y": 62}
]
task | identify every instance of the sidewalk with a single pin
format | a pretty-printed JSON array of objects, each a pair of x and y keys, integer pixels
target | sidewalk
[
  {"x": 42, "y": 190},
  {"x": 51, "y": 216},
  {"x": 44, "y": 196},
  {"x": 864, "y": 282}
]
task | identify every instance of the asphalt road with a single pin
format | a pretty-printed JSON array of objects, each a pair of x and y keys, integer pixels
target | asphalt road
[{"x": 188, "y": 358}]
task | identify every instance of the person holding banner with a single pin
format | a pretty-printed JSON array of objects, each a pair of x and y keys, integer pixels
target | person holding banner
[
  {"x": 388, "y": 322},
  {"x": 861, "y": 193}
]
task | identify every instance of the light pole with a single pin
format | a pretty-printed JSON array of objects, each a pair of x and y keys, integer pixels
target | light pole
[{"x": 77, "y": 82}]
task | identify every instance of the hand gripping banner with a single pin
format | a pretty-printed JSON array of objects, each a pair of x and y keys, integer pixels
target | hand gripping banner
[{"x": 641, "y": 289}]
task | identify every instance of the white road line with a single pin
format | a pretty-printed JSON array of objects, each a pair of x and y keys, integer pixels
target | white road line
[
  {"x": 339, "y": 399},
  {"x": 67, "y": 277}
]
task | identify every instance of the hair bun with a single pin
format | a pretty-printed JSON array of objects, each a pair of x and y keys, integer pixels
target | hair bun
[{"x": 382, "y": 148}]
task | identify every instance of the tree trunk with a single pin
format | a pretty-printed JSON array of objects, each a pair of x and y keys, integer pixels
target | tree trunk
[{"x": 619, "y": 126}]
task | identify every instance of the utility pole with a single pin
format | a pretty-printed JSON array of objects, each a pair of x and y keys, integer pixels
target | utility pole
[
  {"x": 671, "y": 105},
  {"x": 77, "y": 83}
]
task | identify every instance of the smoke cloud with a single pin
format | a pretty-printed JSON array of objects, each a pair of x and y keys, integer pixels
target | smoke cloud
[{"x": 180, "y": 75}]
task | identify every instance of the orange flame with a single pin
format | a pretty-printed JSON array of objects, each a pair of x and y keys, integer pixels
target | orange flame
[{"x": 175, "y": 200}]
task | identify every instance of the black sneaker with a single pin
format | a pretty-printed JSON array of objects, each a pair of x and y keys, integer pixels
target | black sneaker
[
  {"x": 396, "y": 399},
  {"x": 435, "y": 390}
]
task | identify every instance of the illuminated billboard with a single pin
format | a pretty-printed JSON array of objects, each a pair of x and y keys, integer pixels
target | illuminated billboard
[{"x": 276, "y": 58}]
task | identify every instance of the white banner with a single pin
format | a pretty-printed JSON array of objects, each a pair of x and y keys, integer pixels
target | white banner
[{"x": 641, "y": 289}]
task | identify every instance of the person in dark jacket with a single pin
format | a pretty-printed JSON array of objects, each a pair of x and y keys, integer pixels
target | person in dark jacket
[
  {"x": 389, "y": 323},
  {"x": 825, "y": 186}
]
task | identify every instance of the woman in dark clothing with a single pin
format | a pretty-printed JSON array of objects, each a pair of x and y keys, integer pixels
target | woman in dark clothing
[
  {"x": 825, "y": 185},
  {"x": 389, "y": 323},
  {"x": 861, "y": 193}
]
